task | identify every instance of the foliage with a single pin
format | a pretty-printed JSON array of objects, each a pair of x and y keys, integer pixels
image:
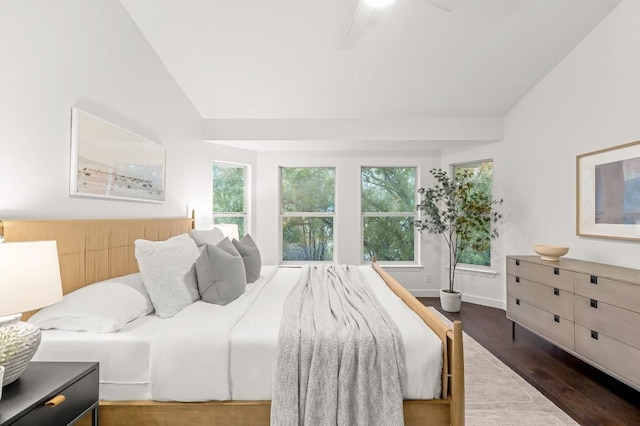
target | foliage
[
  {"x": 461, "y": 210},
  {"x": 228, "y": 194},
  {"x": 389, "y": 239},
  {"x": 388, "y": 190},
  {"x": 307, "y": 190},
  {"x": 228, "y": 188}
]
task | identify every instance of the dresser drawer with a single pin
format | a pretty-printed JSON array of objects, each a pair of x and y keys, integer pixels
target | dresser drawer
[
  {"x": 550, "y": 275},
  {"x": 552, "y": 326},
  {"x": 609, "y": 353},
  {"x": 613, "y": 292},
  {"x": 618, "y": 323},
  {"x": 550, "y": 299},
  {"x": 78, "y": 396}
]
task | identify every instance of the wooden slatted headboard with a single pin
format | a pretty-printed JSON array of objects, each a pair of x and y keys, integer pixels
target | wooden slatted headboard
[{"x": 93, "y": 250}]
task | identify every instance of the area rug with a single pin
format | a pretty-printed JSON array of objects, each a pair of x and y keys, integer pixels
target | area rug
[{"x": 496, "y": 395}]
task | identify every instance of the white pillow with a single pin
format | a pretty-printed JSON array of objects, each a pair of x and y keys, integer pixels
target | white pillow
[
  {"x": 100, "y": 308},
  {"x": 168, "y": 272},
  {"x": 134, "y": 281}
]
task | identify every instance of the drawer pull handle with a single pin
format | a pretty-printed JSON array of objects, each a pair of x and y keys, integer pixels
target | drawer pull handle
[
  {"x": 594, "y": 303},
  {"x": 517, "y": 279},
  {"x": 594, "y": 335},
  {"x": 517, "y": 301},
  {"x": 55, "y": 401},
  {"x": 556, "y": 318},
  {"x": 594, "y": 279},
  {"x": 556, "y": 291},
  {"x": 517, "y": 262},
  {"x": 556, "y": 271}
]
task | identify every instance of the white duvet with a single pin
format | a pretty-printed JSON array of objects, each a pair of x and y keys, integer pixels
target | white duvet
[{"x": 212, "y": 352}]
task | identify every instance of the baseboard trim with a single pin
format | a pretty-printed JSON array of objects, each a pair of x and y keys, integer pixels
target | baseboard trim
[{"x": 477, "y": 300}]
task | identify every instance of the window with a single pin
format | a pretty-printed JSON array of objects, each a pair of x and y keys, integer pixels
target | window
[
  {"x": 307, "y": 196},
  {"x": 388, "y": 213},
  {"x": 230, "y": 195},
  {"x": 482, "y": 173}
]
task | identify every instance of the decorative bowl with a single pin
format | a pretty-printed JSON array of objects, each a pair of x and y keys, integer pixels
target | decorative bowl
[{"x": 550, "y": 253}]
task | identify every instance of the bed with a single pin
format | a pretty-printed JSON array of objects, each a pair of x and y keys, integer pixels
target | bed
[{"x": 96, "y": 250}]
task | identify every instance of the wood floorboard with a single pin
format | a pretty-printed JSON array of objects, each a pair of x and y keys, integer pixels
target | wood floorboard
[{"x": 588, "y": 395}]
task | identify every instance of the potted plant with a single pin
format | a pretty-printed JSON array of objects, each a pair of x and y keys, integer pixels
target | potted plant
[{"x": 464, "y": 214}]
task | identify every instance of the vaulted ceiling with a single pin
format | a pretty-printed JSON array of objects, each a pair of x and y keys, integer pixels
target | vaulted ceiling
[{"x": 340, "y": 59}]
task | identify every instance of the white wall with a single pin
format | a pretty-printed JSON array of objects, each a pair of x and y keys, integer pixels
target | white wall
[
  {"x": 590, "y": 101},
  {"x": 58, "y": 54},
  {"x": 347, "y": 225}
]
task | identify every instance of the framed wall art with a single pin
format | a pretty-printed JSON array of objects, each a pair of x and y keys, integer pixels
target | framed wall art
[
  {"x": 108, "y": 161},
  {"x": 608, "y": 193}
]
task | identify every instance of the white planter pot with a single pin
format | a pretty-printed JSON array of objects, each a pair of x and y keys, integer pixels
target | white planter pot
[{"x": 450, "y": 302}]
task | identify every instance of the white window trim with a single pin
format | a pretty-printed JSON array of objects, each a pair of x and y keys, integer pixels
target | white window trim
[
  {"x": 414, "y": 264},
  {"x": 477, "y": 270},
  {"x": 465, "y": 268},
  {"x": 300, "y": 263},
  {"x": 246, "y": 214}
]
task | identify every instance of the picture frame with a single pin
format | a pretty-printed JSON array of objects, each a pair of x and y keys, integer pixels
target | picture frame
[
  {"x": 608, "y": 193},
  {"x": 110, "y": 162}
]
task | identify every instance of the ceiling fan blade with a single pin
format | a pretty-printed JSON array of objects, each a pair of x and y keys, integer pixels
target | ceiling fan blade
[{"x": 446, "y": 5}]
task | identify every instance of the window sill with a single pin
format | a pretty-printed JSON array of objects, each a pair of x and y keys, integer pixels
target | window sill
[
  {"x": 480, "y": 271},
  {"x": 398, "y": 267},
  {"x": 407, "y": 267}
]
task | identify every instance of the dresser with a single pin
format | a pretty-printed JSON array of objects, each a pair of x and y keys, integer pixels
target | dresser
[
  {"x": 590, "y": 310},
  {"x": 51, "y": 394}
]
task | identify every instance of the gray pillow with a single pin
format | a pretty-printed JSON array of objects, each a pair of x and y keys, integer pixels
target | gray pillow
[
  {"x": 168, "y": 272},
  {"x": 220, "y": 271},
  {"x": 251, "y": 257},
  {"x": 207, "y": 236}
]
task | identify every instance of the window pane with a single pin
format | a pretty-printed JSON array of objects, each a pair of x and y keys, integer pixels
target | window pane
[
  {"x": 226, "y": 220},
  {"x": 228, "y": 188},
  {"x": 308, "y": 189},
  {"x": 388, "y": 238},
  {"x": 388, "y": 189},
  {"x": 482, "y": 175},
  {"x": 307, "y": 238}
]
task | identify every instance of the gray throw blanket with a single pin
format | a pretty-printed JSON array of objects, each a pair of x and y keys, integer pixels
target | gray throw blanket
[{"x": 340, "y": 356}]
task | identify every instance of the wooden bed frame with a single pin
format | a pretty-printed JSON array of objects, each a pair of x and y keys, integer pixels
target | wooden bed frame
[{"x": 92, "y": 250}]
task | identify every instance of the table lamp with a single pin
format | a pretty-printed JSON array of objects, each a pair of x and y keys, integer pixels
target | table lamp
[
  {"x": 229, "y": 230},
  {"x": 29, "y": 279}
]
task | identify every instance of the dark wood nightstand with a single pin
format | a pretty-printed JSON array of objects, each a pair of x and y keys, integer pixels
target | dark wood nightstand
[{"x": 51, "y": 394}]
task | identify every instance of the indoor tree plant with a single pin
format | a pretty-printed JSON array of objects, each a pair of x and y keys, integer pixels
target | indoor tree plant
[{"x": 458, "y": 209}]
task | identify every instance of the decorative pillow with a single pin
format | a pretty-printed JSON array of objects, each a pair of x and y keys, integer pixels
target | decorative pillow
[
  {"x": 100, "y": 308},
  {"x": 221, "y": 275},
  {"x": 207, "y": 236},
  {"x": 251, "y": 257},
  {"x": 168, "y": 272},
  {"x": 134, "y": 281}
]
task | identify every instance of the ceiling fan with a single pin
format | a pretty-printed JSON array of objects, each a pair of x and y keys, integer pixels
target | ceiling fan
[
  {"x": 365, "y": 15},
  {"x": 446, "y": 5}
]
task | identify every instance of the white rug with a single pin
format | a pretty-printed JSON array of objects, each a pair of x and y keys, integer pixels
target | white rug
[{"x": 496, "y": 395}]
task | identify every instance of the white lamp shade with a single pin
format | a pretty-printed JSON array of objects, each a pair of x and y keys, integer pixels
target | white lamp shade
[
  {"x": 29, "y": 276},
  {"x": 229, "y": 230}
]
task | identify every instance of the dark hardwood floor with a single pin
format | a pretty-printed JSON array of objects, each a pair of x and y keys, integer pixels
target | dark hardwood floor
[{"x": 589, "y": 396}]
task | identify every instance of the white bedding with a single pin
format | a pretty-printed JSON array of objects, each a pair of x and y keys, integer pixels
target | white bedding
[
  {"x": 213, "y": 352},
  {"x": 254, "y": 341},
  {"x": 190, "y": 358},
  {"x": 123, "y": 356}
]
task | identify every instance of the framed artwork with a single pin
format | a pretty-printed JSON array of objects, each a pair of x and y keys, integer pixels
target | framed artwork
[
  {"x": 108, "y": 161},
  {"x": 608, "y": 193}
]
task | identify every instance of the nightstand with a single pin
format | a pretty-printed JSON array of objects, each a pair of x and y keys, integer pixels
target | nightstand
[{"x": 51, "y": 394}]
